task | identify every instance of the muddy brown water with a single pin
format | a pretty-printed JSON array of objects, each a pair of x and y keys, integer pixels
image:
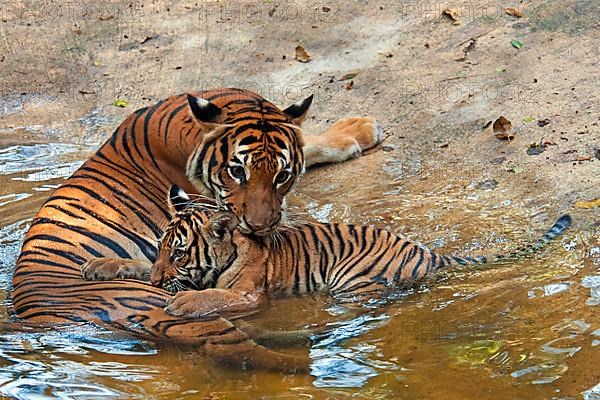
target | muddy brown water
[{"x": 522, "y": 330}]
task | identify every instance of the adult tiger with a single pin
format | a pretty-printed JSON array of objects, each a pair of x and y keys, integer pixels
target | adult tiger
[
  {"x": 229, "y": 144},
  {"x": 201, "y": 249}
]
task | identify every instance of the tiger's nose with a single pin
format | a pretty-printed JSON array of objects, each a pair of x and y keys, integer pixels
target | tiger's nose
[
  {"x": 254, "y": 228},
  {"x": 156, "y": 276}
]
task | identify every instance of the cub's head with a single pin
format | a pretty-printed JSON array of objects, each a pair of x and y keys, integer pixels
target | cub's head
[
  {"x": 197, "y": 245},
  {"x": 250, "y": 158}
]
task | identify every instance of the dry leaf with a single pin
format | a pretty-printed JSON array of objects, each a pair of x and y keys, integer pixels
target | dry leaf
[
  {"x": 453, "y": 13},
  {"x": 146, "y": 39},
  {"x": 302, "y": 55},
  {"x": 543, "y": 122},
  {"x": 588, "y": 204},
  {"x": 121, "y": 103},
  {"x": 514, "y": 12},
  {"x": 348, "y": 76},
  {"x": 536, "y": 148},
  {"x": 472, "y": 46},
  {"x": 583, "y": 158},
  {"x": 505, "y": 136},
  {"x": 349, "y": 85},
  {"x": 106, "y": 18},
  {"x": 502, "y": 129}
]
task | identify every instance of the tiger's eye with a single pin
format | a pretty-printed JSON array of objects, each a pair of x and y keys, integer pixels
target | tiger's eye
[
  {"x": 179, "y": 253},
  {"x": 237, "y": 172},
  {"x": 282, "y": 177}
]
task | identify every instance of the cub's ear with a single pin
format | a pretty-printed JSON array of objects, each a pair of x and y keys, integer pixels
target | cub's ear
[
  {"x": 178, "y": 199},
  {"x": 297, "y": 111},
  {"x": 203, "y": 110},
  {"x": 220, "y": 224}
]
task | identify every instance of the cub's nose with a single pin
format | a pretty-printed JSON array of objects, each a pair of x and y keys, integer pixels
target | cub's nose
[
  {"x": 156, "y": 276},
  {"x": 156, "y": 281}
]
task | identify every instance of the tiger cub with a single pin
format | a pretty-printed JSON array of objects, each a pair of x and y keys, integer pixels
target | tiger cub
[{"x": 232, "y": 272}]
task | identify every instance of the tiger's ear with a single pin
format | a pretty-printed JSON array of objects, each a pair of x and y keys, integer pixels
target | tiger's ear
[
  {"x": 221, "y": 224},
  {"x": 297, "y": 111},
  {"x": 203, "y": 110},
  {"x": 178, "y": 199}
]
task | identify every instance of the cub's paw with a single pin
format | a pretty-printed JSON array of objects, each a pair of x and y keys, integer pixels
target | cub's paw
[
  {"x": 190, "y": 304},
  {"x": 100, "y": 269},
  {"x": 364, "y": 130}
]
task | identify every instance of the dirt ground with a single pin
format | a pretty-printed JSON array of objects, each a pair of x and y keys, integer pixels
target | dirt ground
[{"x": 432, "y": 83}]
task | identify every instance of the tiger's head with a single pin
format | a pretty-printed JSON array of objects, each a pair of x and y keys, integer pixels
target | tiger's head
[
  {"x": 197, "y": 247},
  {"x": 250, "y": 157}
]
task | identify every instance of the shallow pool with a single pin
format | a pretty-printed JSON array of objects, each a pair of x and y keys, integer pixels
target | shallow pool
[{"x": 522, "y": 330}]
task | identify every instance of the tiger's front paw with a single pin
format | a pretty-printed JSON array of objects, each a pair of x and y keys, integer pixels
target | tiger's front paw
[
  {"x": 99, "y": 269},
  {"x": 364, "y": 130},
  {"x": 190, "y": 304},
  {"x": 108, "y": 269}
]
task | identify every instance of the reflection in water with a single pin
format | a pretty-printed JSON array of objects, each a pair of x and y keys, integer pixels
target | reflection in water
[
  {"x": 528, "y": 329},
  {"x": 35, "y": 364},
  {"x": 336, "y": 364},
  {"x": 40, "y": 162},
  {"x": 10, "y": 245}
]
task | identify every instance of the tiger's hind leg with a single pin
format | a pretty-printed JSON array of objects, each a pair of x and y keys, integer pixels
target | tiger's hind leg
[
  {"x": 276, "y": 337},
  {"x": 248, "y": 354},
  {"x": 108, "y": 269},
  {"x": 347, "y": 138}
]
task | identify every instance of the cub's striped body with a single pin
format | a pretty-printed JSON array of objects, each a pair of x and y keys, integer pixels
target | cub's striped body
[
  {"x": 224, "y": 144},
  {"x": 202, "y": 250}
]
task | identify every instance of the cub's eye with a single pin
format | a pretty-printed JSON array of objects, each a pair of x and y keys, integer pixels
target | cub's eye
[
  {"x": 282, "y": 177},
  {"x": 178, "y": 253},
  {"x": 237, "y": 172}
]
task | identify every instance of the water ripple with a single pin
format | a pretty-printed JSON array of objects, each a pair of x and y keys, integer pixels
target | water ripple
[{"x": 336, "y": 365}]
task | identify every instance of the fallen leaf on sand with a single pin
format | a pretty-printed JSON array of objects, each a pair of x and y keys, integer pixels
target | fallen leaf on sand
[
  {"x": 349, "y": 85},
  {"x": 501, "y": 128},
  {"x": 536, "y": 148},
  {"x": 588, "y": 204},
  {"x": 302, "y": 55},
  {"x": 516, "y": 44},
  {"x": 514, "y": 12},
  {"x": 121, "y": 103},
  {"x": 472, "y": 45},
  {"x": 452, "y": 13},
  {"x": 348, "y": 76},
  {"x": 543, "y": 122},
  {"x": 583, "y": 158},
  {"x": 146, "y": 39},
  {"x": 528, "y": 120}
]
